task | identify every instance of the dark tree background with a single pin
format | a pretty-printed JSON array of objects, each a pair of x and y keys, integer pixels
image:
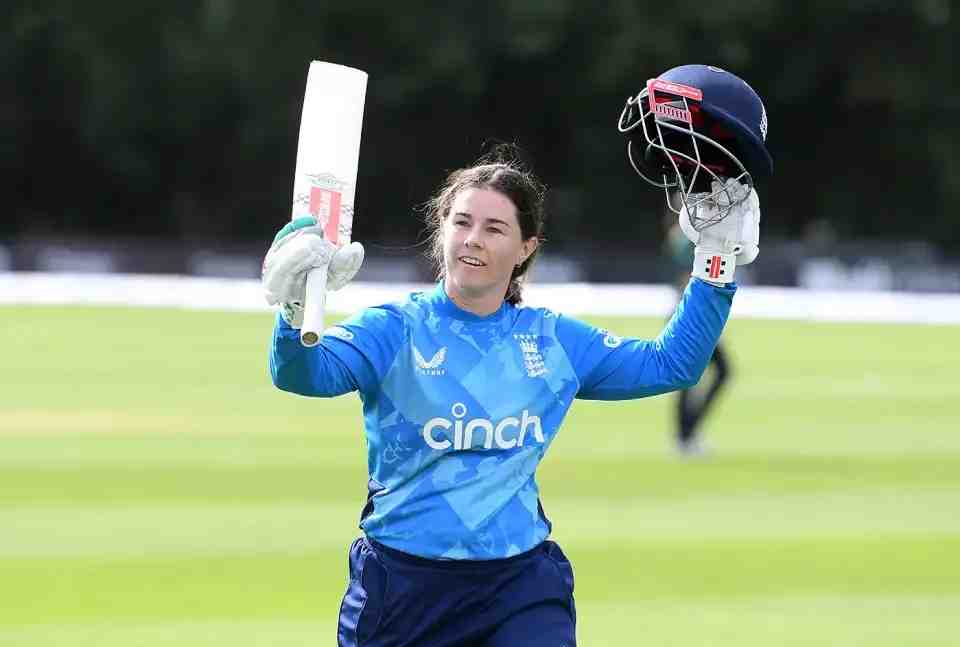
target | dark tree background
[{"x": 178, "y": 120}]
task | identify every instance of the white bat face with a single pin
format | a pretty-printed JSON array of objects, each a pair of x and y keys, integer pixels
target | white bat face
[
  {"x": 324, "y": 182},
  {"x": 328, "y": 150}
]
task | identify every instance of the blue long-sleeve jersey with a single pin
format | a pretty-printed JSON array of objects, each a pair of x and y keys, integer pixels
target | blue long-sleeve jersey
[{"x": 460, "y": 409}]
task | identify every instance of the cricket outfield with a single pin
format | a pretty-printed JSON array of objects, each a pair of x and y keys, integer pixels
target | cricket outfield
[{"x": 156, "y": 490}]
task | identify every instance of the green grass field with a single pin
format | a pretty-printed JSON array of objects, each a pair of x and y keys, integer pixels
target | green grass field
[{"x": 156, "y": 490}]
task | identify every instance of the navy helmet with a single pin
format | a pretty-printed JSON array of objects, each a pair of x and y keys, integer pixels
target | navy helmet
[{"x": 691, "y": 129}]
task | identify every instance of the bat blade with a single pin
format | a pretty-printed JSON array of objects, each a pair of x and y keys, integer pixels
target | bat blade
[{"x": 325, "y": 176}]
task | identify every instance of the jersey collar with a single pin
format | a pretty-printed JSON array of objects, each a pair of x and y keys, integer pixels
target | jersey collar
[{"x": 445, "y": 305}]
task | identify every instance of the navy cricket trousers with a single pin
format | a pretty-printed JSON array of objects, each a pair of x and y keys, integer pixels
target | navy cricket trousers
[{"x": 399, "y": 600}]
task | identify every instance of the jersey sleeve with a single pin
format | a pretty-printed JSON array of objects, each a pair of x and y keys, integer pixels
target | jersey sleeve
[
  {"x": 352, "y": 356},
  {"x": 614, "y": 368}
]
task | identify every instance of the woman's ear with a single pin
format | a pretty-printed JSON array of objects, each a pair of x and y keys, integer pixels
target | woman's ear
[{"x": 528, "y": 248}]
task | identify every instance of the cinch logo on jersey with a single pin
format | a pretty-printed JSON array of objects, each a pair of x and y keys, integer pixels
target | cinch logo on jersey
[
  {"x": 491, "y": 434},
  {"x": 337, "y": 331},
  {"x": 609, "y": 339}
]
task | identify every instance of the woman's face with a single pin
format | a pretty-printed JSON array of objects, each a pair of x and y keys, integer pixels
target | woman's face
[{"x": 482, "y": 243}]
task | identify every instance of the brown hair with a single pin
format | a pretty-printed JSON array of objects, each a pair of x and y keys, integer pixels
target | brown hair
[{"x": 508, "y": 177}]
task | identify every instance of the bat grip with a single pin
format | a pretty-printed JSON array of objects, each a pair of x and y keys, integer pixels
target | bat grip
[{"x": 315, "y": 307}]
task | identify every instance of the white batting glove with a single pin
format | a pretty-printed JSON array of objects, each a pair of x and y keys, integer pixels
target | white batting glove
[
  {"x": 344, "y": 265},
  {"x": 733, "y": 241},
  {"x": 298, "y": 248}
]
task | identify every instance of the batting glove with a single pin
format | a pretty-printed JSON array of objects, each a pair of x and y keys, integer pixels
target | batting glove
[
  {"x": 298, "y": 248},
  {"x": 733, "y": 240}
]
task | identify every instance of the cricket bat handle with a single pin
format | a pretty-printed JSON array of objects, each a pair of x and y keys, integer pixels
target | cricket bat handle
[{"x": 315, "y": 307}]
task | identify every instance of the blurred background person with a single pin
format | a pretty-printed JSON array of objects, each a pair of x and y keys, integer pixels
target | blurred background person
[{"x": 691, "y": 405}]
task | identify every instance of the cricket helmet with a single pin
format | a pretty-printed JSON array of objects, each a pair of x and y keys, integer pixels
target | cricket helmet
[{"x": 692, "y": 128}]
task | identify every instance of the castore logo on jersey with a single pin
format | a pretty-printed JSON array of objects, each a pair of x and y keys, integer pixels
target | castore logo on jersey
[
  {"x": 432, "y": 367},
  {"x": 494, "y": 433}
]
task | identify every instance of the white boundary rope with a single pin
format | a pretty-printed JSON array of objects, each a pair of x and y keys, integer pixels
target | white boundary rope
[{"x": 151, "y": 290}]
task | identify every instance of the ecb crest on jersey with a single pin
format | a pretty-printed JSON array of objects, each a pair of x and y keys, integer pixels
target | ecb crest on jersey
[{"x": 532, "y": 358}]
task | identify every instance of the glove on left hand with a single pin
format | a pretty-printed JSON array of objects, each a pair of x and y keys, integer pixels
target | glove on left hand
[{"x": 732, "y": 241}]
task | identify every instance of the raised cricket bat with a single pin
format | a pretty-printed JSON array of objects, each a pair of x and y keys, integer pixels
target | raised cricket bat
[{"x": 325, "y": 176}]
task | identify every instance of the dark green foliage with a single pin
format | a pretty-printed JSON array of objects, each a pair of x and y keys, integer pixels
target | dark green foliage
[{"x": 179, "y": 119}]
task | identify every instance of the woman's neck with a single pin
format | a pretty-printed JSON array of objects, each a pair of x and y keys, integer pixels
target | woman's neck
[{"x": 482, "y": 304}]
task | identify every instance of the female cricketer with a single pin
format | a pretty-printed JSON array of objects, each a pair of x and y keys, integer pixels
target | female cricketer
[{"x": 463, "y": 391}]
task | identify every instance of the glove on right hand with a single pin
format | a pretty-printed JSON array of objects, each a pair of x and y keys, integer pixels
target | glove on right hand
[{"x": 298, "y": 248}]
